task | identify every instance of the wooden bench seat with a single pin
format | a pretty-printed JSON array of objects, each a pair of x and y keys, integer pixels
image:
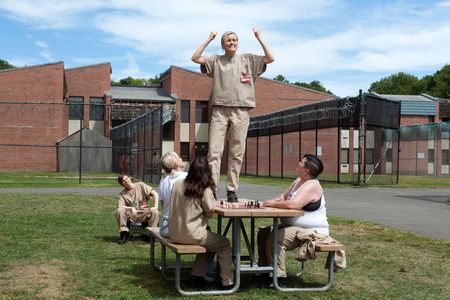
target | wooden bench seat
[
  {"x": 329, "y": 247},
  {"x": 177, "y": 248},
  {"x": 320, "y": 247}
]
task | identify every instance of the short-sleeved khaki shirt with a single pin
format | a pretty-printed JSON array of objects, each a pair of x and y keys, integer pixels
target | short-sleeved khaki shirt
[
  {"x": 140, "y": 193},
  {"x": 233, "y": 79},
  {"x": 187, "y": 219}
]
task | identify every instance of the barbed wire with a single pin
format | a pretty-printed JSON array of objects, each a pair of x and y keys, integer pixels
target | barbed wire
[{"x": 340, "y": 108}]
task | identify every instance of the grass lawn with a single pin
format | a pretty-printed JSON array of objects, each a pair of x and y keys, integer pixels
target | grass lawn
[
  {"x": 56, "y": 179},
  {"x": 64, "y": 247}
]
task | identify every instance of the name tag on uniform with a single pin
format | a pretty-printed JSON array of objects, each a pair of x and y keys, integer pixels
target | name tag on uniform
[{"x": 245, "y": 78}]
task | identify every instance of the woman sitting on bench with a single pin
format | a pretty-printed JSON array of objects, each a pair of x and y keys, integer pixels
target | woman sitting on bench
[
  {"x": 305, "y": 193},
  {"x": 192, "y": 203}
]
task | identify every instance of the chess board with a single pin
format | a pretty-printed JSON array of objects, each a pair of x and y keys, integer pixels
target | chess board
[{"x": 242, "y": 204}]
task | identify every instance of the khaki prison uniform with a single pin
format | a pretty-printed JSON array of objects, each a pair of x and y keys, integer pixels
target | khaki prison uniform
[
  {"x": 290, "y": 238},
  {"x": 187, "y": 225},
  {"x": 134, "y": 198},
  {"x": 233, "y": 95}
]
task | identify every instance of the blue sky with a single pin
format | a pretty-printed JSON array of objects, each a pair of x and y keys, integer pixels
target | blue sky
[{"x": 344, "y": 44}]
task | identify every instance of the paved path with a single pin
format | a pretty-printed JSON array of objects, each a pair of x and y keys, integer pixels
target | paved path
[{"x": 423, "y": 211}]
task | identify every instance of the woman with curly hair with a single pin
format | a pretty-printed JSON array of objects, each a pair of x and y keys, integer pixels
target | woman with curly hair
[{"x": 192, "y": 204}]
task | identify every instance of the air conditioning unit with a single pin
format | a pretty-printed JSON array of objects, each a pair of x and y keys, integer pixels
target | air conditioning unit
[
  {"x": 344, "y": 168},
  {"x": 430, "y": 168},
  {"x": 388, "y": 167}
]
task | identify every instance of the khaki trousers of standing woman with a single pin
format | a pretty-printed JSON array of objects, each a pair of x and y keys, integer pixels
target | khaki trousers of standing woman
[{"x": 234, "y": 122}]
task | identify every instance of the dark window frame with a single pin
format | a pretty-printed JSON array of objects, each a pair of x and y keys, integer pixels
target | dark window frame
[{"x": 201, "y": 111}]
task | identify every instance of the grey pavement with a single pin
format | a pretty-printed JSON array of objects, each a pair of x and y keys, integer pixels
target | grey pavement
[{"x": 422, "y": 211}]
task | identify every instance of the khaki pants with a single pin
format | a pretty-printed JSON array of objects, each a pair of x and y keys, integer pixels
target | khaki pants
[
  {"x": 147, "y": 215},
  {"x": 286, "y": 241},
  {"x": 214, "y": 242},
  {"x": 234, "y": 122}
]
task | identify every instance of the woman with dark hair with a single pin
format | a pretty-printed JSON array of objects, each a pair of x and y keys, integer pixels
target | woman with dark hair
[
  {"x": 306, "y": 194},
  {"x": 192, "y": 204}
]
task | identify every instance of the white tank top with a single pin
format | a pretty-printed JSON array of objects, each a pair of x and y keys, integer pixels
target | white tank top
[{"x": 313, "y": 220}]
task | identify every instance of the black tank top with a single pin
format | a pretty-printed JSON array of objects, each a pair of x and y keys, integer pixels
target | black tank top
[{"x": 312, "y": 206}]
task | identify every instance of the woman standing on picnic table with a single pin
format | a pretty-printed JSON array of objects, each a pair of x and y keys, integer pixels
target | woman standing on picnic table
[
  {"x": 233, "y": 95},
  {"x": 192, "y": 204}
]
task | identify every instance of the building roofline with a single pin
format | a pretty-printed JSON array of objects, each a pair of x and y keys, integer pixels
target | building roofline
[
  {"x": 90, "y": 66},
  {"x": 166, "y": 73},
  {"x": 299, "y": 87},
  {"x": 31, "y": 67}
]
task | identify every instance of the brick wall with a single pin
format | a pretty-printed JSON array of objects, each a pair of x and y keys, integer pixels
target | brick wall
[
  {"x": 43, "y": 83},
  {"x": 89, "y": 81},
  {"x": 28, "y": 123},
  {"x": 270, "y": 96},
  {"x": 29, "y": 131}
]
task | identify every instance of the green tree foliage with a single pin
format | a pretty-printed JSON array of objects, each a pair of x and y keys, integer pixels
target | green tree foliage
[
  {"x": 440, "y": 86},
  {"x": 281, "y": 78},
  {"x": 437, "y": 85},
  {"x": 130, "y": 81},
  {"x": 313, "y": 85},
  {"x": 5, "y": 65},
  {"x": 397, "y": 84}
]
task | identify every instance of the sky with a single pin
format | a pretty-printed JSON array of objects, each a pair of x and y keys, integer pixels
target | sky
[{"x": 346, "y": 45}]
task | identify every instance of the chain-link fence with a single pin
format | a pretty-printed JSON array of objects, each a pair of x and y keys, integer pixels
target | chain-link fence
[
  {"x": 346, "y": 133},
  {"x": 425, "y": 149},
  {"x": 60, "y": 140}
]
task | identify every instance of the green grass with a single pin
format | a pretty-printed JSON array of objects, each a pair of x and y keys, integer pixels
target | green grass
[
  {"x": 55, "y": 179},
  {"x": 64, "y": 247},
  {"x": 375, "y": 181}
]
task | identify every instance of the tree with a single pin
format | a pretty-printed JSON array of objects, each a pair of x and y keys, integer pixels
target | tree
[
  {"x": 437, "y": 85},
  {"x": 5, "y": 65},
  {"x": 397, "y": 84},
  {"x": 130, "y": 81},
  {"x": 313, "y": 85},
  {"x": 441, "y": 83},
  {"x": 281, "y": 78}
]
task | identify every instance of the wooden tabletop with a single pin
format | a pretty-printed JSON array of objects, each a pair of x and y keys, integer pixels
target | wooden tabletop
[{"x": 241, "y": 211}]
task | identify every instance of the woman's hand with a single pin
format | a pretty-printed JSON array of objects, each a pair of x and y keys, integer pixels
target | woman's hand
[
  {"x": 212, "y": 35},
  {"x": 256, "y": 32}
]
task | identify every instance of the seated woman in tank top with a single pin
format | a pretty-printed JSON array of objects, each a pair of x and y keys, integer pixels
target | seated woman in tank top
[{"x": 306, "y": 194}]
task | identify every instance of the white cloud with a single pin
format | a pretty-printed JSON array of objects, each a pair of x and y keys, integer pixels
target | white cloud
[
  {"x": 45, "y": 51},
  {"x": 386, "y": 37},
  {"x": 132, "y": 69},
  {"x": 48, "y": 13},
  {"x": 443, "y": 4}
]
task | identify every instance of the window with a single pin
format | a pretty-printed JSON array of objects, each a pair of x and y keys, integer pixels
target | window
[
  {"x": 431, "y": 155},
  {"x": 201, "y": 149},
  {"x": 344, "y": 156},
  {"x": 169, "y": 131},
  {"x": 185, "y": 111},
  {"x": 184, "y": 152},
  {"x": 96, "y": 109},
  {"x": 389, "y": 155},
  {"x": 75, "y": 108},
  {"x": 369, "y": 156},
  {"x": 201, "y": 111},
  {"x": 445, "y": 157},
  {"x": 355, "y": 156}
]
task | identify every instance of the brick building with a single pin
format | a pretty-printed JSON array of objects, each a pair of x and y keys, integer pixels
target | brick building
[
  {"x": 35, "y": 115},
  {"x": 41, "y": 105}
]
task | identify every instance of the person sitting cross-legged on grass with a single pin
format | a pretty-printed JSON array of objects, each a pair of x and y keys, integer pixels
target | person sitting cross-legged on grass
[
  {"x": 191, "y": 205},
  {"x": 132, "y": 205}
]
